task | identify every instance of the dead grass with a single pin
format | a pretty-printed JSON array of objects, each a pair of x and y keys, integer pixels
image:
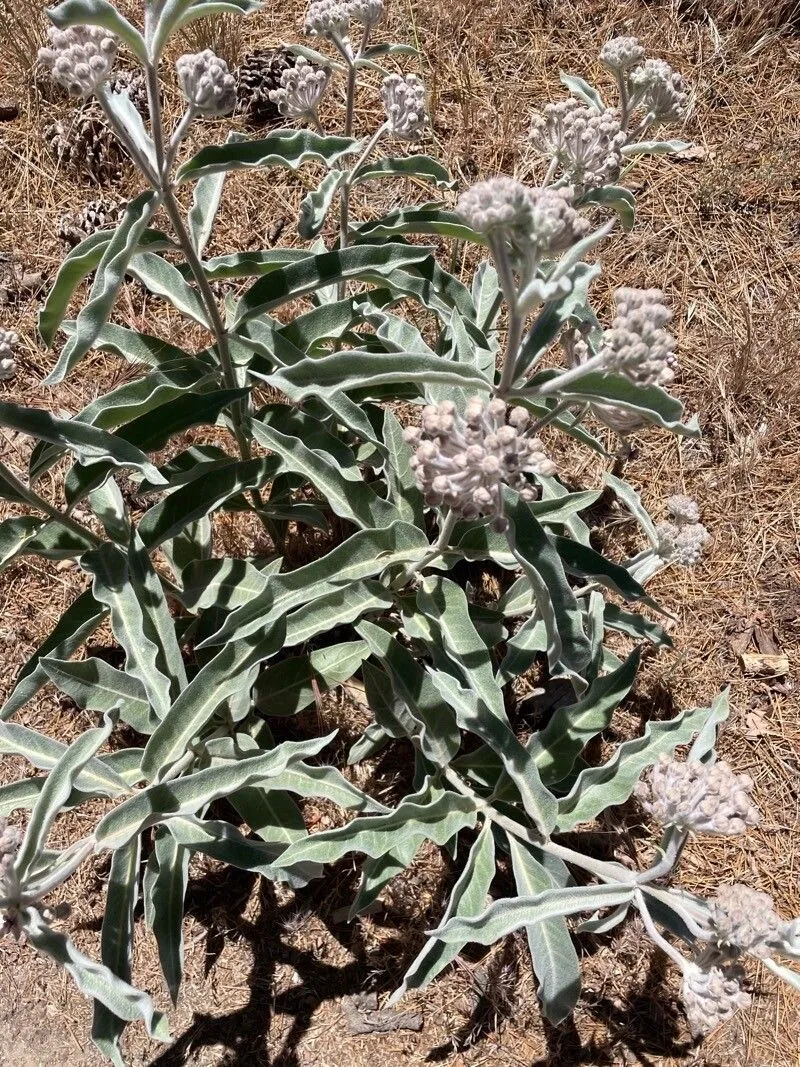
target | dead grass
[{"x": 721, "y": 234}]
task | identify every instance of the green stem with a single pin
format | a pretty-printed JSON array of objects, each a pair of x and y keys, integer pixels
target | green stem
[
  {"x": 515, "y": 320},
  {"x": 344, "y": 202},
  {"x": 436, "y": 550},
  {"x": 32, "y": 498}
]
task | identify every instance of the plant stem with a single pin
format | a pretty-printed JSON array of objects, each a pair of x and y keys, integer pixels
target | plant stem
[
  {"x": 515, "y": 320},
  {"x": 436, "y": 550},
  {"x": 32, "y": 498},
  {"x": 672, "y": 846},
  {"x": 652, "y": 929},
  {"x": 37, "y": 890},
  {"x": 344, "y": 202},
  {"x": 566, "y": 377}
]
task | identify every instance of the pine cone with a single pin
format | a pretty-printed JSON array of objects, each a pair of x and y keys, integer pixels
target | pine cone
[
  {"x": 97, "y": 215},
  {"x": 260, "y": 73},
  {"x": 86, "y": 145},
  {"x": 133, "y": 83}
]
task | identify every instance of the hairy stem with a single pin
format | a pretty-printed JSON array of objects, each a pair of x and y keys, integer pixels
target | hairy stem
[
  {"x": 32, "y": 498},
  {"x": 565, "y": 378},
  {"x": 438, "y": 548},
  {"x": 515, "y": 318},
  {"x": 653, "y": 931}
]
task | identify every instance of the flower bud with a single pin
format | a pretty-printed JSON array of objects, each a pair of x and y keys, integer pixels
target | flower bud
[
  {"x": 621, "y": 53},
  {"x": 368, "y": 12},
  {"x": 744, "y": 920},
  {"x": 712, "y": 993},
  {"x": 682, "y": 543},
  {"x": 406, "y": 111},
  {"x": 586, "y": 143},
  {"x": 683, "y": 509},
  {"x": 637, "y": 345},
  {"x": 328, "y": 19},
  {"x": 206, "y": 83},
  {"x": 80, "y": 57},
  {"x": 301, "y": 89},
  {"x": 705, "y": 798},
  {"x": 660, "y": 90},
  {"x": 8, "y": 342}
]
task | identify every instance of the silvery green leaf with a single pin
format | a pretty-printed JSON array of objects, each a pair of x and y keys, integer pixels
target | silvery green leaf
[
  {"x": 583, "y": 90},
  {"x": 290, "y": 686},
  {"x": 249, "y": 264},
  {"x": 109, "y": 507},
  {"x": 571, "y": 259},
  {"x": 44, "y": 752},
  {"x": 108, "y": 279},
  {"x": 558, "y": 745},
  {"x": 432, "y": 721},
  {"x": 205, "y": 204},
  {"x": 342, "y": 486},
  {"x": 568, "y": 647},
  {"x": 116, "y": 942},
  {"x": 270, "y": 813},
  {"x": 51, "y": 540},
  {"x": 192, "y": 544},
  {"x": 16, "y": 534},
  {"x": 121, "y": 107},
  {"x": 555, "y": 314},
  {"x": 165, "y": 280},
  {"x": 364, "y": 555},
  {"x": 487, "y": 296},
  {"x": 365, "y": 371},
  {"x": 173, "y": 15},
  {"x": 93, "y": 979},
  {"x": 371, "y": 743},
  {"x": 377, "y": 873},
  {"x": 215, "y": 683},
  {"x": 363, "y": 262},
  {"x": 617, "y": 198},
  {"x": 99, "y": 13},
  {"x": 140, "y": 619},
  {"x": 315, "y": 205},
  {"x": 225, "y": 583},
  {"x": 505, "y": 916},
  {"x": 80, "y": 620},
  {"x": 702, "y": 750},
  {"x": 633, "y": 502},
  {"x": 597, "y": 788},
  {"x": 284, "y": 148},
  {"x": 468, "y": 898},
  {"x": 555, "y": 961},
  {"x": 637, "y": 626},
  {"x": 87, "y": 442},
  {"x": 311, "y": 781},
  {"x": 428, "y": 219},
  {"x": 603, "y": 924},
  {"x": 472, "y": 714},
  {"x": 96, "y": 686},
  {"x": 188, "y": 795},
  {"x": 437, "y": 820},
  {"x": 522, "y": 649},
  {"x": 164, "y": 888},
  {"x": 56, "y": 791},
  {"x": 406, "y": 167},
  {"x": 655, "y": 148},
  {"x": 582, "y": 561}
]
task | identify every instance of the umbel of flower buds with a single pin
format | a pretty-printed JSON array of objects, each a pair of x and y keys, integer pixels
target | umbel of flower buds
[
  {"x": 10, "y": 841},
  {"x": 80, "y": 57},
  {"x": 621, "y": 53},
  {"x": 542, "y": 221},
  {"x": 368, "y": 12},
  {"x": 301, "y": 89},
  {"x": 637, "y": 345},
  {"x": 465, "y": 461},
  {"x": 207, "y": 84},
  {"x": 586, "y": 143},
  {"x": 406, "y": 111},
  {"x": 684, "y": 539},
  {"x": 712, "y": 992},
  {"x": 744, "y": 920},
  {"x": 328, "y": 19},
  {"x": 705, "y": 798},
  {"x": 659, "y": 90},
  {"x": 8, "y": 342}
]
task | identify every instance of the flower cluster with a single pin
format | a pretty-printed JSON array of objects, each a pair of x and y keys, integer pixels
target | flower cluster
[
  {"x": 705, "y": 798},
  {"x": 8, "y": 342},
  {"x": 10, "y": 841},
  {"x": 712, "y": 992},
  {"x": 637, "y": 345},
  {"x": 368, "y": 12},
  {"x": 684, "y": 538},
  {"x": 464, "y": 461},
  {"x": 80, "y": 58},
  {"x": 301, "y": 89},
  {"x": 659, "y": 90},
  {"x": 207, "y": 84},
  {"x": 744, "y": 920},
  {"x": 586, "y": 143},
  {"x": 540, "y": 221},
  {"x": 329, "y": 19},
  {"x": 621, "y": 53},
  {"x": 406, "y": 110}
]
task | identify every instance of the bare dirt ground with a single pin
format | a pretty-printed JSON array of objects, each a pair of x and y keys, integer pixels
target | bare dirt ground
[{"x": 719, "y": 230}]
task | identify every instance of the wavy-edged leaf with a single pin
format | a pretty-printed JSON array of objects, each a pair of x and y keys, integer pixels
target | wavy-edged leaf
[
  {"x": 425, "y": 167},
  {"x": 316, "y": 205},
  {"x": 290, "y": 686},
  {"x": 617, "y": 198},
  {"x": 284, "y": 148},
  {"x": 429, "y": 219},
  {"x": 97, "y": 686},
  {"x": 583, "y": 90},
  {"x": 226, "y": 583},
  {"x": 636, "y": 626},
  {"x": 16, "y": 534},
  {"x": 165, "y": 280},
  {"x": 164, "y": 888},
  {"x": 654, "y": 148},
  {"x": 205, "y": 204},
  {"x": 45, "y": 752}
]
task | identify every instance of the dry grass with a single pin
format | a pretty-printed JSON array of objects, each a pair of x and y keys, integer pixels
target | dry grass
[{"x": 721, "y": 234}]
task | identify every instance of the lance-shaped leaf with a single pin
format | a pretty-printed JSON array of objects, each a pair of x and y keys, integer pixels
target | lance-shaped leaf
[
  {"x": 617, "y": 198},
  {"x": 45, "y": 752},
  {"x": 364, "y": 555},
  {"x": 633, "y": 502},
  {"x": 17, "y": 534},
  {"x": 636, "y": 626},
  {"x": 555, "y": 961},
  {"x": 398, "y": 473},
  {"x": 377, "y": 873},
  {"x": 375, "y": 835},
  {"x": 93, "y": 979},
  {"x": 87, "y": 442},
  {"x": 226, "y": 583},
  {"x": 583, "y": 90},
  {"x": 468, "y": 898},
  {"x": 505, "y": 916},
  {"x": 315, "y": 205},
  {"x": 116, "y": 942},
  {"x": 97, "y": 686},
  {"x": 429, "y": 219},
  {"x": 289, "y": 687},
  {"x": 205, "y": 204},
  {"x": 569, "y": 650},
  {"x": 473, "y": 715},
  {"x": 80, "y": 619},
  {"x": 406, "y": 167},
  {"x": 165, "y": 280},
  {"x": 654, "y": 148},
  {"x": 165, "y": 881},
  {"x": 109, "y": 277},
  {"x": 188, "y": 795},
  {"x": 284, "y": 148},
  {"x": 55, "y": 793},
  {"x": 702, "y": 750},
  {"x": 173, "y": 15},
  {"x": 598, "y": 788}
]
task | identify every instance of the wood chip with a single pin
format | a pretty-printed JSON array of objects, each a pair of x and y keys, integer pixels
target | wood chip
[{"x": 760, "y": 665}]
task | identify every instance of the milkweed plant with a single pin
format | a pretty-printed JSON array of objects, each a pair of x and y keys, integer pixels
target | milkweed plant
[{"x": 416, "y": 435}]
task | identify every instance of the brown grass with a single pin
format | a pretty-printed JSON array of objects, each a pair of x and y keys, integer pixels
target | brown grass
[{"x": 721, "y": 234}]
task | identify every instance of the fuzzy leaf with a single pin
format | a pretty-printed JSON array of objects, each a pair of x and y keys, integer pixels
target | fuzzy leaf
[
  {"x": 315, "y": 205},
  {"x": 289, "y": 686},
  {"x": 284, "y": 148},
  {"x": 165, "y": 881},
  {"x": 96, "y": 686}
]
